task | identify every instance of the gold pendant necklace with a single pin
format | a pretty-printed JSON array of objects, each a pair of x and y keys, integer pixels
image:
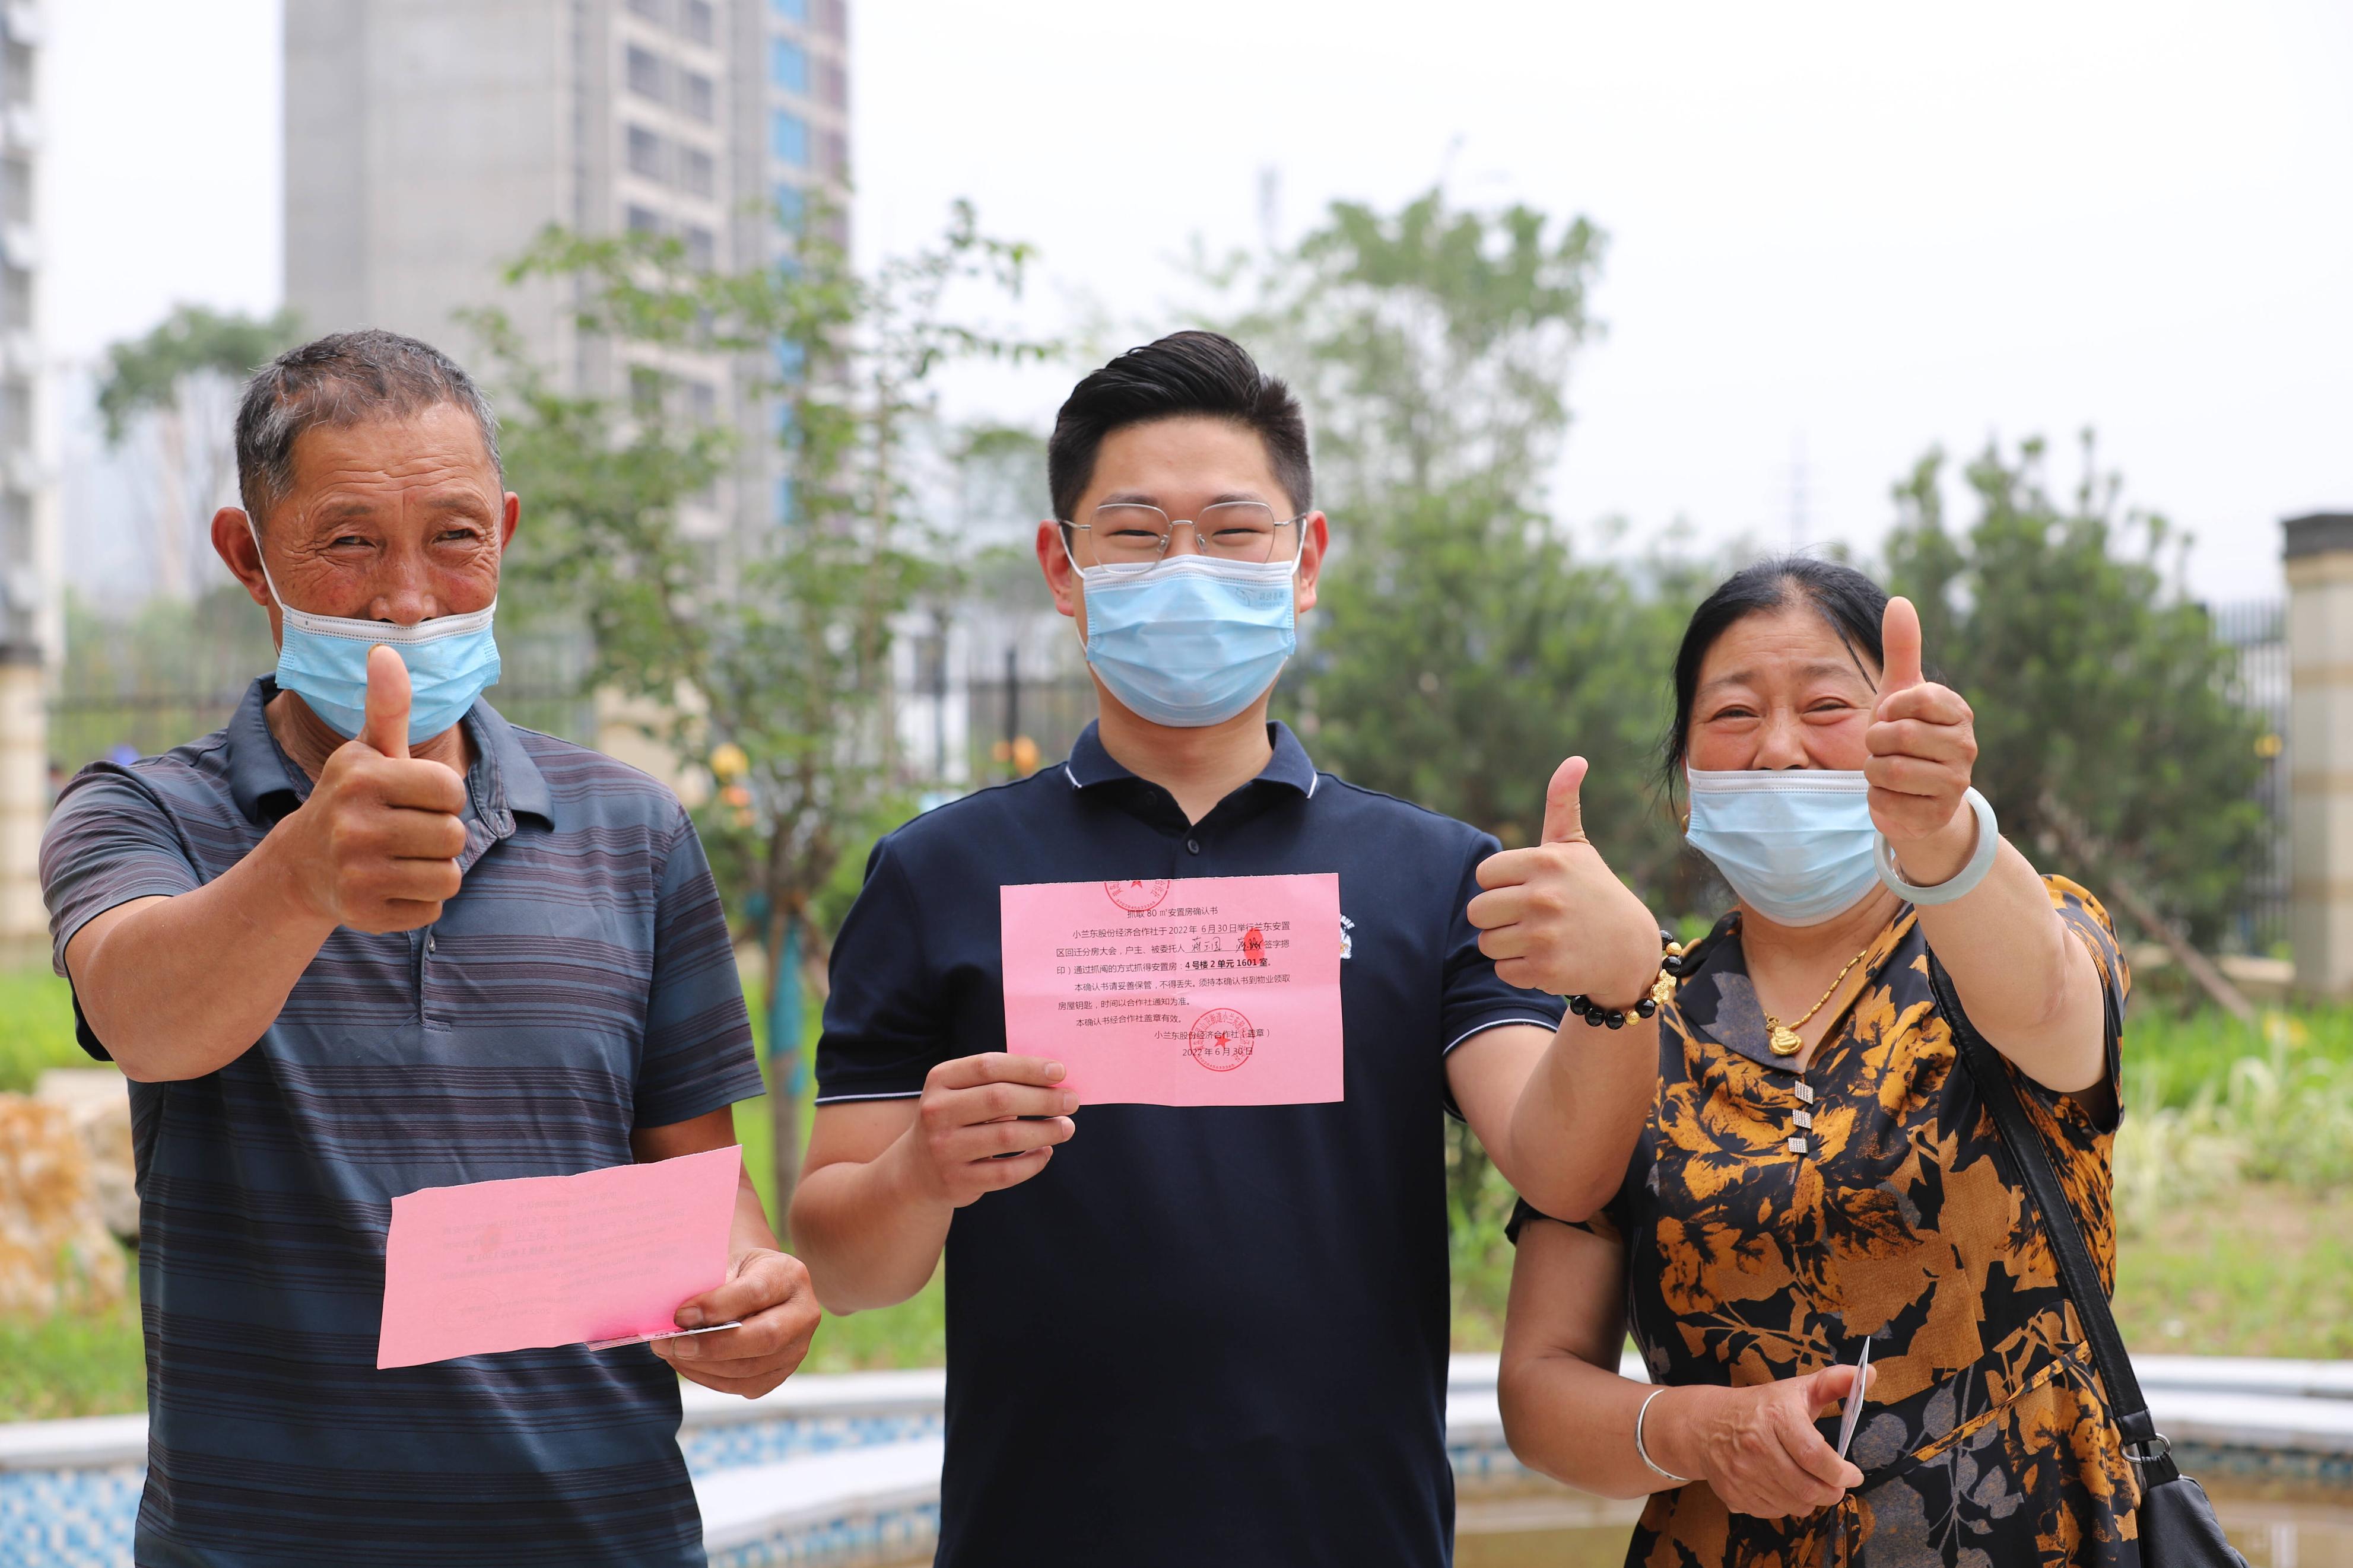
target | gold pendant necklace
[{"x": 1783, "y": 1038}]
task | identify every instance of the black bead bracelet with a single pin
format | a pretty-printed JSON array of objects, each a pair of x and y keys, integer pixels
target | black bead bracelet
[{"x": 1662, "y": 989}]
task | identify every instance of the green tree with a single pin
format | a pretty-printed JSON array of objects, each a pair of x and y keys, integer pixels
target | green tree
[
  {"x": 171, "y": 395},
  {"x": 775, "y": 683},
  {"x": 1462, "y": 649},
  {"x": 2111, "y": 731},
  {"x": 1431, "y": 345}
]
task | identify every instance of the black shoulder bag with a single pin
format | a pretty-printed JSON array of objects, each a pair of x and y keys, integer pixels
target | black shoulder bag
[{"x": 2177, "y": 1528}]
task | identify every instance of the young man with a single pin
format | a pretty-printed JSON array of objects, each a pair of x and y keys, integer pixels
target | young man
[{"x": 1203, "y": 1334}]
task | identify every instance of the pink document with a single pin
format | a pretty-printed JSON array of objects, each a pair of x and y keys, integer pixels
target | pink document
[
  {"x": 554, "y": 1260},
  {"x": 1197, "y": 991}
]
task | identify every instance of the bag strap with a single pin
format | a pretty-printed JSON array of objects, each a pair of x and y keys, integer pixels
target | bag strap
[{"x": 2144, "y": 1445}]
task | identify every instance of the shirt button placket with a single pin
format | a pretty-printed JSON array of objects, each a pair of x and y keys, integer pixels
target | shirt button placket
[{"x": 1802, "y": 1118}]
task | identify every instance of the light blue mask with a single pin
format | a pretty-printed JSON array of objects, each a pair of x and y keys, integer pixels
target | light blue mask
[
  {"x": 1189, "y": 640},
  {"x": 322, "y": 659},
  {"x": 1796, "y": 843}
]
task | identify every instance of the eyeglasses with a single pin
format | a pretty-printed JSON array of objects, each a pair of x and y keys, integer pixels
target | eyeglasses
[{"x": 1128, "y": 531}]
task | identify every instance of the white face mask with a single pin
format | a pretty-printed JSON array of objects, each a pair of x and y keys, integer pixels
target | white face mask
[{"x": 1796, "y": 843}]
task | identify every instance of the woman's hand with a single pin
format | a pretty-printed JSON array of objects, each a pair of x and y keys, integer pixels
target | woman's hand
[
  {"x": 1924, "y": 743},
  {"x": 1757, "y": 1448},
  {"x": 1555, "y": 917}
]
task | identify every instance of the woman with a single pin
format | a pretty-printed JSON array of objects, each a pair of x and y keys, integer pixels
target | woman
[{"x": 1818, "y": 1169}]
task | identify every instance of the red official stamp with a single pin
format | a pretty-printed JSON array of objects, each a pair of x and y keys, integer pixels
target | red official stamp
[
  {"x": 1137, "y": 895},
  {"x": 1220, "y": 1039}
]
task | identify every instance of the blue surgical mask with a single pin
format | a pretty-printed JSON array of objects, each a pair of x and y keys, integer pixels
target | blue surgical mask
[
  {"x": 322, "y": 659},
  {"x": 1189, "y": 640},
  {"x": 1796, "y": 843}
]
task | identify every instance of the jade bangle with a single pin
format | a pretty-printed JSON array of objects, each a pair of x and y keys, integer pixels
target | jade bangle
[{"x": 1961, "y": 883}]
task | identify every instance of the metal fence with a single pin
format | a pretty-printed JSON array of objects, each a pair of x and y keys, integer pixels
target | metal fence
[
  {"x": 1004, "y": 722},
  {"x": 541, "y": 687},
  {"x": 2257, "y": 629}
]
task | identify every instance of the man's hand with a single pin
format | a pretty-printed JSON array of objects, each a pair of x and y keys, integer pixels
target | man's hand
[
  {"x": 1924, "y": 743},
  {"x": 985, "y": 1122},
  {"x": 1555, "y": 917},
  {"x": 767, "y": 1293},
  {"x": 375, "y": 848}
]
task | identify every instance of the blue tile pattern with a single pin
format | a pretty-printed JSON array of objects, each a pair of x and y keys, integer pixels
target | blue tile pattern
[
  {"x": 69, "y": 1518},
  {"x": 733, "y": 1444},
  {"x": 900, "y": 1535},
  {"x": 2265, "y": 1463},
  {"x": 83, "y": 1518}
]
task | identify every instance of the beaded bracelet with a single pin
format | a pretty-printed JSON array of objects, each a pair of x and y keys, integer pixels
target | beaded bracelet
[{"x": 1662, "y": 991}]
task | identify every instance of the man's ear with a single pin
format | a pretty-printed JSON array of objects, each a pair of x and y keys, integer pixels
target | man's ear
[
  {"x": 510, "y": 515},
  {"x": 233, "y": 542},
  {"x": 1314, "y": 540},
  {"x": 1054, "y": 560}
]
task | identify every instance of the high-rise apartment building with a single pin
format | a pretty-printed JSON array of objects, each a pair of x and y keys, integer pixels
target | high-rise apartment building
[
  {"x": 428, "y": 141},
  {"x": 31, "y": 629}
]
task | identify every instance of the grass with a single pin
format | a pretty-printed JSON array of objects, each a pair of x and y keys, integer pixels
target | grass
[
  {"x": 37, "y": 1028},
  {"x": 2262, "y": 1270},
  {"x": 912, "y": 1334},
  {"x": 2234, "y": 1181},
  {"x": 72, "y": 1365}
]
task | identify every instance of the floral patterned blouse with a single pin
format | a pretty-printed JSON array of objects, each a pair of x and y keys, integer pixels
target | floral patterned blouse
[{"x": 1772, "y": 1219}]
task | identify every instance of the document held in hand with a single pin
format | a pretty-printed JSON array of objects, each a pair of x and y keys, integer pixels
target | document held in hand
[
  {"x": 1192, "y": 990},
  {"x": 554, "y": 1260}
]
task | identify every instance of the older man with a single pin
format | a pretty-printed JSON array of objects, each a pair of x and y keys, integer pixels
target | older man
[{"x": 370, "y": 937}]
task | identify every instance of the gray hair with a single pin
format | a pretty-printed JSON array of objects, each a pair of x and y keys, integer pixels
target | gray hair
[{"x": 338, "y": 381}]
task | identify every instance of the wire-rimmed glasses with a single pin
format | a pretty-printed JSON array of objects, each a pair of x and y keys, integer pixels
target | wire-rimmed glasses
[{"x": 1130, "y": 532}]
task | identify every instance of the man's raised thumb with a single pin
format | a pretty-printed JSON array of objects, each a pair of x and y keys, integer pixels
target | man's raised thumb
[
  {"x": 1899, "y": 641},
  {"x": 386, "y": 726},
  {"x": 1564, "y": 817}
]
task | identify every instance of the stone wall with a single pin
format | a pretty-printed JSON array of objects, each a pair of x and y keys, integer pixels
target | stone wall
[{"x": 55, "y": 1251}]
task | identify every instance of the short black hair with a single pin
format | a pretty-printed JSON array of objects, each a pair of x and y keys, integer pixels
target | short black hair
[
  {"x": 1852, "y": 603},
  {"x": 1184, "y": 373},
  {"x": 338, "y": 381}
]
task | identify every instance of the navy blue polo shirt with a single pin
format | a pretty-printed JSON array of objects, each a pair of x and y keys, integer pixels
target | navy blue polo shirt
[
  {"x": 580, "y": 985},
  {"x": 1201, "y": 1334}
]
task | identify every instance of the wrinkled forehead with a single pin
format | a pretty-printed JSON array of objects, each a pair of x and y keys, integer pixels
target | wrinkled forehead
[
  {"x": 1792, "y": 644},
  {"x": 434, "y": 458}
]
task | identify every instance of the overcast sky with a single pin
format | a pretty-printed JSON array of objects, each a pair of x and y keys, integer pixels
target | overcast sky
[{"x": 1838, "y": 233}]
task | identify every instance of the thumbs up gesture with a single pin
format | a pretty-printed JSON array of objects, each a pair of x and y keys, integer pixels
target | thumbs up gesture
[
  {"x": 1922, "y": 742},
  {"x": 1555, "y": 918},
  {"x": 377, "y": 843}
]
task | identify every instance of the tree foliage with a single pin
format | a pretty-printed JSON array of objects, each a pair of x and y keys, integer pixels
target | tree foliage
[
  {"x": 1432, "y": 345},
  {"x": 170, "y": 397},
  {"x": 2108, "y": 716},
  {"x": 774, "y": 681},
  {"x": 150, "y": 375},
  {"x": 1461, "y": 647}
]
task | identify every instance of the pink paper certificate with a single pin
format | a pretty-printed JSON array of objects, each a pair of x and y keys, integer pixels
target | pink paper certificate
[
  {"x": 554, "y": 1260},
  {"x": 1199, "y": 990}
]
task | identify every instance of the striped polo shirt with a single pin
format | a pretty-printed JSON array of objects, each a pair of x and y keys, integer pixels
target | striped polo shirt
[{"x": 579, "y": 985}]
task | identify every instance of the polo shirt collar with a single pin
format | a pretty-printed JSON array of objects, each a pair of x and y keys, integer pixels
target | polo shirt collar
[
  {"x": 1089, "y": 765},
  {"x": 259, "y": 772},
  {"x": 517, "y": 787},
  {"x": 506, "y": 780}
]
